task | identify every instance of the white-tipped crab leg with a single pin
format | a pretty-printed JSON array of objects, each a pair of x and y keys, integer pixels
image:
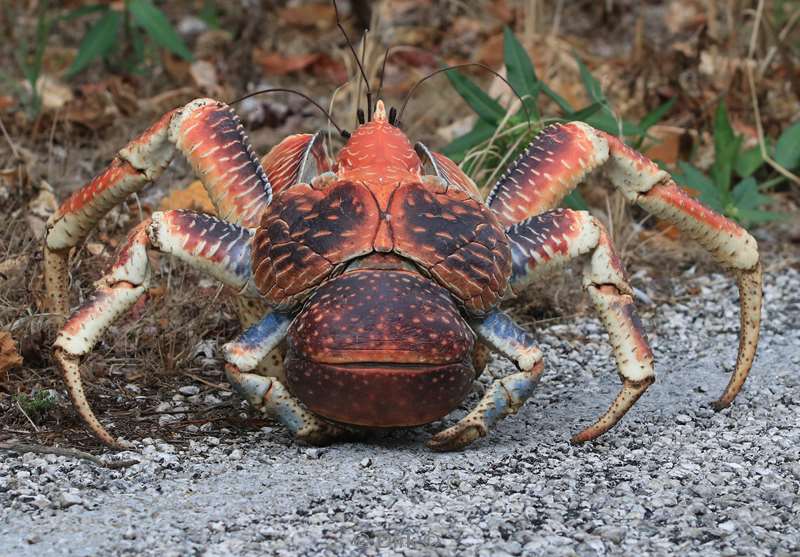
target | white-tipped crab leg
[
  {"x": 268, "y": 394},
  {"x": 563, "y": 154},
  {"x": 545, "y": 242},
  {"x": 505, "y": 396},
  {"x": 216, "y": 247},
  {"x": 209, "y": 134}
]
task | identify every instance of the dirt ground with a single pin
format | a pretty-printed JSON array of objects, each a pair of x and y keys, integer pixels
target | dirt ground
[{"x": 643, "y": 54}]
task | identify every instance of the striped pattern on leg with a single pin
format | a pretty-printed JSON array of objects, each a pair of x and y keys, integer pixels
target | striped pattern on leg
[
  {"x": 208, "y": 133},
  {"x": 298, "y": 158},
  {"x": 219, "y": 248},
  {"x": 556, "y": 161},
  {"x": 544, "y": 243},
  {"x": 505, "y": 396}
]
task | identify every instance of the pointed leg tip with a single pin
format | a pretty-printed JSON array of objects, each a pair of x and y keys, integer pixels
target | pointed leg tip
[
  {"x": 455, "y": 438},
  {"x": 721, "y": 404}
]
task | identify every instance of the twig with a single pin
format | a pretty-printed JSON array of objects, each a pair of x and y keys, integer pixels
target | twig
[
  {"x": 59, "y": 451},
  {"x": 8, "y": 138},
  {"x": 753, "y": 95},
  {"x": 24, "y": 413}
]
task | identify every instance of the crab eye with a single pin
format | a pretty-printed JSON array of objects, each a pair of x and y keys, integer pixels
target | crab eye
[
  {"x": 392, "y": 115},
  {"x": 360, "y": 115}
]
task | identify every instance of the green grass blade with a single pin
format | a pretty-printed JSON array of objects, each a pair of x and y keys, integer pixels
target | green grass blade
[
  {"x": 558, "y": 99},
  {"x": 484, "y": 106},
  {"x": 97, "y": 42},
  {"x": 787, "y": 149},
  {"x": 726, "y": 148},
  {"x": 158, "y": 27},
  {"x": 521, "y": 73},
  {"x": 457, "y": 149}
]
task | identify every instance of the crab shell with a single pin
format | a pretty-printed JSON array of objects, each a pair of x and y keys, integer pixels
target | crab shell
[{"x": 384, "y": 264}]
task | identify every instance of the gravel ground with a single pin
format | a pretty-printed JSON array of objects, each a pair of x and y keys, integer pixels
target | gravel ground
[{"x": 674, "y": 477}]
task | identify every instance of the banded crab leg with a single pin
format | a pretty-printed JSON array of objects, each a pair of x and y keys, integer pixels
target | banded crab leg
[
  {"x": 216, "y": 247},
  {"x": 209, "y": 134},
  {"x": 545, "y": 242},
  {"x": 505, "y": 396},
  {"x": 562, "y": 155},
  {"x": 268, "y": 394}
]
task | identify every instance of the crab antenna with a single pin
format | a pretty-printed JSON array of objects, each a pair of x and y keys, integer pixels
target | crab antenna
[
  {"x": 383, "y": 71},
  {"x": 457, "y": 66},
  {"x": 342, "y": 132},
  {"x": 355, "y": 56}
]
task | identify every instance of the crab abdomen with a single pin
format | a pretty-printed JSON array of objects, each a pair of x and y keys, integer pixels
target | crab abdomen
[{"x": 380, "y": 348}]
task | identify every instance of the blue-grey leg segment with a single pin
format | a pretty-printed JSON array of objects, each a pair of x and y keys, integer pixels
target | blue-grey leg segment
[
  {"x": 267, "y": 394},
  {"x": 505, "y": 396}
]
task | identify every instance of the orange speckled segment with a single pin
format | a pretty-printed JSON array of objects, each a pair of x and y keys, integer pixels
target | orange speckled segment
[
  {"x": 380, "y": 155},
  {"x": 214, "y": 142},
  {"x": 552, "y": 165},
  {"x": 453, "y": 174},
  {"x": 306, "y": 233},
  {"x": 675, "y": 197},
  {"x": 78, "y": 215},
  {"x": 283, "y": 163},
  {"x": 389, "y": 316},
  {"x": 456, "y": 238}
]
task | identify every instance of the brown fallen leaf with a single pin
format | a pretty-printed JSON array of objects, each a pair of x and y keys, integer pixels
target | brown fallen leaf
[
  {"x": 9, "y": 357},
  {"x": 40, "y": 208},
  {"x": 321, "y": 16},
  {"x": 275, "y": 63},
  {"x": 192, "y": 197},
  {"x": 13, "y": 266}
]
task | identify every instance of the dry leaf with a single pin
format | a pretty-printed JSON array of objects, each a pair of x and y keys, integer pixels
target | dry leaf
[
  {"x": 54, "y": 93},
  {"x": 193, "y": 197},
  {"x": 40, "y": 208},
  {"x": 6, "y": 102},
  {"x": 321, "y": 16},
  {"x": 275, "y": 63},
  {"x": 13, "y": 265},
  {"x": 204, "y": 75},
  {"x": 9, "y": 357}
]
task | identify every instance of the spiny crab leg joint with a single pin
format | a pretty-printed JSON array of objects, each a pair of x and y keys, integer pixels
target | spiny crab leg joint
[{"x": 369, "y": 288}]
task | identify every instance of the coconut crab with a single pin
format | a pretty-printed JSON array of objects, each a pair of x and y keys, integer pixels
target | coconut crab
[{"x": 369, "y": 286}]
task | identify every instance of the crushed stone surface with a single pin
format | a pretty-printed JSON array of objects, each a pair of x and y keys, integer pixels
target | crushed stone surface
[{"x": 673, "y": 478}]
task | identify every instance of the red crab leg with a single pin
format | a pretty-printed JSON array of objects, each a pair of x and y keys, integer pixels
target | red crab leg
[
  {"x": 218, "y": 248},
  {"x": 208, "y": 133},
  {"x": 563, "y": 154},
  {"x": 505, "y": 396},
  {"x": 545, "y": 242},
  {"x": 298, "y": 158},
  {"x": 268, "y": 394}
]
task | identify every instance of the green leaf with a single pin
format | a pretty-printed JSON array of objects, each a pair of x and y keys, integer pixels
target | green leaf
[
  {"x": 556, "y": 98},
  {"x": 605, "y": 121},
  {"x": 486, "y": 107},
  {"x": 592, "y": 86},
  {"x": 654, "y": 116},
  {"x": 746, "y": 196},
  {"x": 158, "y": 27},
  {"x": 520, "y": 70},
  {"x": 458, "y": 148},
  {"x": 97, "y": 42},
  {"x": 748, "y": 162},
  {"x": 696, "y": 180},
  {"x": 82, "y": 11},
  {"x": 755, "y": 216},
  {"x": 726, "y": 149},
  {"x": 787, "y": 150},
  {"x": 586, "y": 112},
  {"x": 575, "y": 201},
  {"x": 651, "y": 119}
]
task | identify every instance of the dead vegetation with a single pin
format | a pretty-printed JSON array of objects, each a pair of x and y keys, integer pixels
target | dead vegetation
[{"x": 643, "y": 53}]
